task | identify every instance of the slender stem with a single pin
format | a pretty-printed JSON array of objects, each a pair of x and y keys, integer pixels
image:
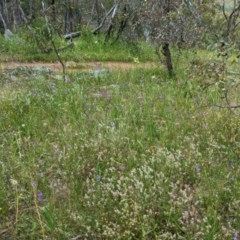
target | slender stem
[
  {"x": 38, "y": 213},
  {"x": 59, "y": 59},
  {"x": 17, "y": 205},
  {"x": 53, "y": 43}
]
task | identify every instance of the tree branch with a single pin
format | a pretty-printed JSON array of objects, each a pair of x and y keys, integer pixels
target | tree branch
[
  {"x": 232, "y": 107},
  {"x": 224, "y": 12},
  {"x": 103, "y": 21}
]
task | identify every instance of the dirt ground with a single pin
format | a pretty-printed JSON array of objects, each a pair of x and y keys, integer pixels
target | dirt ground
[{"x": 75, "y": 66}]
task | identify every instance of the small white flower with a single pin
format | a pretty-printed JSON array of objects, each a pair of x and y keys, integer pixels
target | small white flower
[{"x": 13, "y": 182}]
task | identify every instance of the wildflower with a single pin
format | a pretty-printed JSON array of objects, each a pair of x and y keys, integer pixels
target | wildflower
[
  {"x": 233, "y": 179},
  {"x": 122, "y": 167},
  {"x": 34, "y": 184},
  {"x": 57, "y": 151},
  {"x": 235, "y": 237},
  {"x": 98, "y": 178},
  {"x": 40, "y": 196},
  {"x": 113, "y": 126},
  {"x": 197, "y": 168},
  {"x": 51, "y": 86},
  {"x": 14, "y": 182},
  {"x": 160, "y": 96}
]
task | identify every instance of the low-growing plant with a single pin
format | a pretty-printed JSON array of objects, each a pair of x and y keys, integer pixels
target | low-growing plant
[{"x": 123, "y": 156}]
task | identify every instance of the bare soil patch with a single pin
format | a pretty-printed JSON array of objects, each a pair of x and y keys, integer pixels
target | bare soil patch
[{"x": 77, "y": 66}]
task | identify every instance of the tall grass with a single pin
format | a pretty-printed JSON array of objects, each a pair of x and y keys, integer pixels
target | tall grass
[{"x": 133, "y": 155}]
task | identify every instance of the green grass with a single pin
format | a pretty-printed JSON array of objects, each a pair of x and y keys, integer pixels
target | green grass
[
  {"x": 86, "y": 48},
  {"x": 133, "y": 155}
]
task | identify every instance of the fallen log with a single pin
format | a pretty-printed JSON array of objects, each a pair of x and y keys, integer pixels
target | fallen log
[{"x": 72, "y": 35}]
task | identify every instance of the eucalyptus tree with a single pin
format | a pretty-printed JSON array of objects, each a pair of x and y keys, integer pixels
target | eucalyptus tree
[{"x": 173, "y": 22}]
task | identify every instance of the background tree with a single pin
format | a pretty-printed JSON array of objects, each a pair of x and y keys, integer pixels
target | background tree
[
  {"x": 164, "y": 23},
  {"x": 232, "y": 21},
  {"x": 3, "y": 24}
]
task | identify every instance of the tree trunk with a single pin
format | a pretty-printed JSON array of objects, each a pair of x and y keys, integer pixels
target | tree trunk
[
  {"x": 69, "y": 18},
  {"x": 165, "y": 46},
  {"x": 31, "y": 10},
  {"x": 123, "y": 22},
  {"x": 168, "y": 58},
  {"x": 53, "y": 11},
  {"x": 18, "y": 14},
  {"x": 111, "y": 24},
  {"x": 17, "y": 20},
  {"x": 96, "y": 6},
  {"x": 3, "y": 25}
]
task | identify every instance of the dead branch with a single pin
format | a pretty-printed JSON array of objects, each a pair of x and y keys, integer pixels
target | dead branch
[
  {"x": 72, "y": 35},
  {"x": 232, "y": 107},
  {"x": 111, "y": 23},
  {"x": 95, "y": 31}
]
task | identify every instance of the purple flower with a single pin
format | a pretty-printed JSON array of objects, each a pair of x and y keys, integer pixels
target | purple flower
[
  {"x": 122, "y": 167},
  {"x": 40, "y": 196},
  {"x": 235, "y": 237},
  {"x": 98, "y": 178},
  {"x": 197, "y": 168}
]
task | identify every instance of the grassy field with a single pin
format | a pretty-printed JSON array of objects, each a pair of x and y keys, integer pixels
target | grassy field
[
  {"x": 129, "y": 155},
  {"x": 86, "y": 48}
]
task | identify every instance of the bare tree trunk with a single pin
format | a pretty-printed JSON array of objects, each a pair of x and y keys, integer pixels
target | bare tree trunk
[
  {"x": 69, "y": 18},
  {"x": 111, "y": 23},
  {"x": 123, "y": 22},
  {"x": 167, "y": 54},
  {"x": 31, "y": 10},
  {"x": 3, "y": 25},
  {"x": 96, "y": 8},
  {"x": 5, "y": 11},
  {"x": 18, "y": 14},
  {"x": 53, "y": 11},
  {"x": 165, "y": 46}
]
